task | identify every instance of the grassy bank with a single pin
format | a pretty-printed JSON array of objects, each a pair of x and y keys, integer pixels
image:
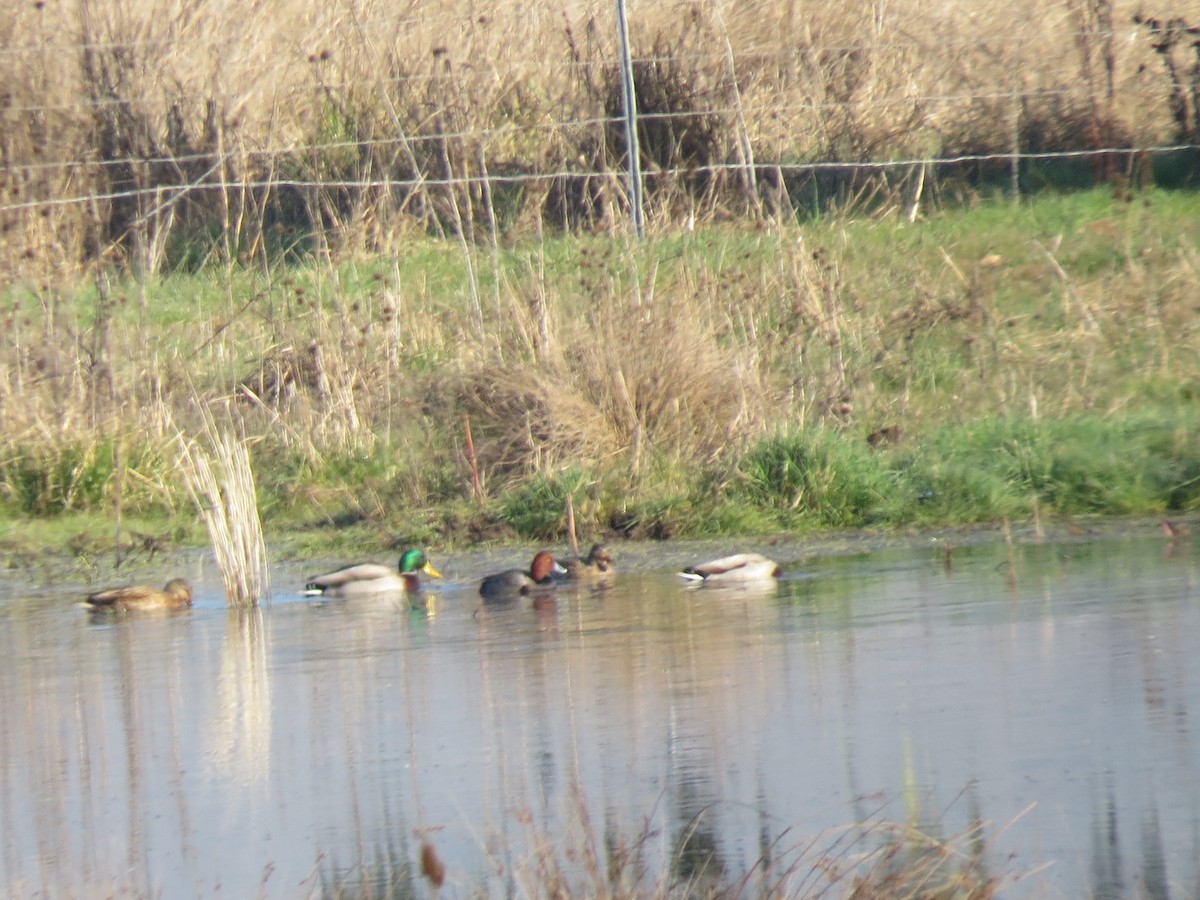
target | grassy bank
[{"x": 989, "y": 361}]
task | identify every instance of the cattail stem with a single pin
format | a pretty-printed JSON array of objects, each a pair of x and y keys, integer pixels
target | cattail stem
[
  {"x": 118, "y": 477},
  {"x": 571, "y": 525},
  {"x": 476, "y": 487}
]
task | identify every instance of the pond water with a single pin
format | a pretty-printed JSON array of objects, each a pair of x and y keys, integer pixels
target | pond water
[{"x": 1039, "y": 693}]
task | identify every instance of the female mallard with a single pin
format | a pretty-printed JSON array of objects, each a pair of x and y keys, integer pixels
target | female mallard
[
  {"x": 369, "y": 578},
  {"x": 739, "y": 569},
  {"x": 514, "y": 582},
  {"x": 597, "y": 564},
  {"x": 177, "y": 594}
]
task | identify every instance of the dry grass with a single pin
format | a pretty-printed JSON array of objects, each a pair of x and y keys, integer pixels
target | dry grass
[
  {"x": 875, "y": 859},
  {"x": 628, "y": 376},
  {"x": 872, "y": 858},
  {"x": 148, "y": 134}
]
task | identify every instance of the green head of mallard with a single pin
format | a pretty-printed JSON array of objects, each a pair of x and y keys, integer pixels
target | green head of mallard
[{"x": 414, "y": 561}]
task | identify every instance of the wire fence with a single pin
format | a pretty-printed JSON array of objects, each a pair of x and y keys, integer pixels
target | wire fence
[
  {"x": 499, "y": 134},
  {"x": 177, "y": 191}
]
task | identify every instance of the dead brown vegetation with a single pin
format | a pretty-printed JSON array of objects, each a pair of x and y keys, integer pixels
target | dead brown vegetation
[
  {"x": 150, "y": 135},
  {"x": 628, "y": 379}
]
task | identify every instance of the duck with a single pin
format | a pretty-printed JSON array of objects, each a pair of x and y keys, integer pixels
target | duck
[
  {"x": 176, "y": 594},
  {"x": 597, "y": 564},
  {"x": 738, "y": 569},
  {"x": 513, "y": 582},
  {"x": 371, "y": 578}
]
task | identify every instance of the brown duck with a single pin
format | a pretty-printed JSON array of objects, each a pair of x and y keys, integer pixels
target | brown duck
[
  {"x": 177, "y": 594},
  {"x": 597, "y": 564}
]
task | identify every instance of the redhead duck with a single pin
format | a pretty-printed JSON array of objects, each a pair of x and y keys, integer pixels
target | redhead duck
[{"x": 514, "y": 582}]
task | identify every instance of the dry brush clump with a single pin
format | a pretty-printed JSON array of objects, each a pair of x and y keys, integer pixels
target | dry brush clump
[
  {"x": 628, "y": 381},
  {"x": 1171, "y": 39}
]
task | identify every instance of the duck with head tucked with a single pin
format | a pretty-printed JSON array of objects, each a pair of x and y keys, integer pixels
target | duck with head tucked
[
  {"x": 177, "y": 594},
  {"x": 514, "y": 582},
  {"x": 734, "y": 571},
  {"x": 370, "y": 578},
  {"x": 596, "y": 565}
]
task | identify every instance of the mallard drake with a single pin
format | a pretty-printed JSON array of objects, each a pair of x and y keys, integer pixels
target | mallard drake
[
  {"x": 741, "y": 568},
  {"x": 370, "y": 578},
  {"x": 540, "y": 577},
  {"x": 597, "y": 564},
  {"x": 177, "y": 594}
]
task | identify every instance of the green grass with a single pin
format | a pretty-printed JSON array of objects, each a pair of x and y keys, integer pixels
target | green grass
[
  {"x": 803, "y": 481},
  {"x": 1081, "y": 466},
  {"x": 45, "y": 479},
  {"x": 537, "y": 508},
  {"x": 816, "y": 477},
  {"x": 1040, "y": 358},
  {"x": 986, "y": 472},
  {"x": 88, "y": 541}
]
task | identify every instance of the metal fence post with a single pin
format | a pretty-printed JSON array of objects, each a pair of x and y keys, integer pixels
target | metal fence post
[{"x": 632, "y": 151}]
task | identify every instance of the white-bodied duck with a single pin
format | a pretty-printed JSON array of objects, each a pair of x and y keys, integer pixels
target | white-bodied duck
[
  {"x": 732, "y": 571},
  {"x": 371, "y": 578}
]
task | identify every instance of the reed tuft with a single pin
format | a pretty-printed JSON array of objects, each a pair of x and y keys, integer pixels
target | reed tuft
[{"x": 221, "y": 482}]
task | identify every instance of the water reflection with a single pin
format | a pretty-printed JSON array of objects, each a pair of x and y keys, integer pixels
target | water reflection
[
  {"x": 640, "y": 735},
  {"x": 240, "y": 733}
]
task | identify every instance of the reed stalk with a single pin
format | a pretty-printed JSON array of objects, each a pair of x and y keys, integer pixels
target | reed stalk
[{"x": 220, "y": 480}]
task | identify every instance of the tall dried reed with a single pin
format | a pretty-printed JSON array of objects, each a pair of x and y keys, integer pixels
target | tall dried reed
[{"x": 217, "y": 472}]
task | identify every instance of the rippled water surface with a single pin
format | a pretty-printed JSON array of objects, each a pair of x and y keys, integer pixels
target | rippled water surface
[{"x": 298, "y": 749}]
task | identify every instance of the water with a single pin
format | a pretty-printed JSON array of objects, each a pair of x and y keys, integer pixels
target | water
[{"x": 303, "y": 748}]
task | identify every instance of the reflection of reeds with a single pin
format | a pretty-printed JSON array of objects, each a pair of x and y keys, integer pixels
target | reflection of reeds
[
  {"x": 241, "y": 730},
  {"x": 388, "y": 874},
  {"x": 221, "y": 482}
]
